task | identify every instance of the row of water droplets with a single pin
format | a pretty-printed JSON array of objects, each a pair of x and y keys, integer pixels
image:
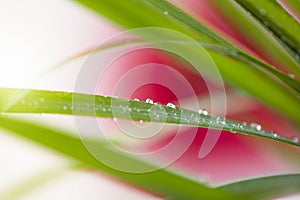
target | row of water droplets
[
  {"x": 193, "y": 118},
  {"x": 189, "y": 118},
  {"x": 204, "y": 112},
  {"x": 235, "y": 126}
]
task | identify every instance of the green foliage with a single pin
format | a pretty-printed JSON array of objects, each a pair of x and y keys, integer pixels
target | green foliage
[
  {"x": 266, "y": 187},
  {"x": 237, "y": 67},
  {"x": 174, "y": 20},
  {"x": 284, "y": 27}
]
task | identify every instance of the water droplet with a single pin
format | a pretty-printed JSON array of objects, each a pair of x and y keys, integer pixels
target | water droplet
[
  {"x": 255, "y": 126},
  {"x": 166, "y": 12},
  {"x": 203, "y": 112},
  {"x": 291, "y": 75},
  {"x": 295, "y": 139},
  {"x": 115, "y": 119},
  {"x": 241, "y": 126},
  {"x": 141, "y": 121},
  {"x": 274, "y": 134},
  {"x": 149, "y": 101},
  {"x": 136, "y": 99},
  {"x": 221, "y": 120},
  {"x": 235, "y": 124},
  {"x": 65, "y": 107},
  {"x": 244, "y": 123},
  {"x": 171, "y": 105}
]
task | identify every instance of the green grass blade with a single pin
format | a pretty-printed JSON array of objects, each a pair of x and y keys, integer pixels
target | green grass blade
[
  {"x": 135, "y": 14},
  {"x": 266, "y": 187},
  {"x": 231, "y": 70},
  {"x": 37, "y": 101},
  {"x": 162, "y": 182},
  {"x": 277, "y": 20},
  {"x": 240, "y": 74},
  {"x": 164, "y": 14},
  {"x": 180, "y": 15},
  {"x": 294, "y": 84},
  {"x": 256, "y": 34}
]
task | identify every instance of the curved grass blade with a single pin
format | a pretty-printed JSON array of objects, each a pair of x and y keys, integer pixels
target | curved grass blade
[
  {"x": 37, "y": 101},
  {"x": 284, "y": 27},
  {"x": 88, "y": 51},
  {"x": 161, "y": 182},
  {"x": 252, "y": 80},
  {"x": 234, "y": 51},
  {"x": 257, "y": 35},
  {"x": 265, "y": 187},
  {"x": 295, "y": 84},
  {"x": 164, "y": 14},
  {"x": 180, "y": 15},
  {"x": 231, "y": 71},
  {"x": 239, "y": 54},
  {"x": 127, "y": 15}
]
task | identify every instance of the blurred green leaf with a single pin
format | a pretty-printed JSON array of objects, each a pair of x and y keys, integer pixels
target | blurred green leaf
[
  {"x": 259, "y": 85},
  {"x": 284, "y": 27},
  {"x": 162, "y": 182},
  {"x": 257, "y": 35},
  {"x": 130, "y": 17},
  {"x": 266, "y": 187}
]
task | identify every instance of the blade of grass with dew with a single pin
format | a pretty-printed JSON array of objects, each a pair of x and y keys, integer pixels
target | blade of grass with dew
[
  {"x": 277, "y": 20},
  {"x": 257, "y": 34},
  {"x": 21, "y": 189},
  {"x": 38, "y": 101},
  {"x": 265, "y": 187},
  {"x": 161, "y": 182}
]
